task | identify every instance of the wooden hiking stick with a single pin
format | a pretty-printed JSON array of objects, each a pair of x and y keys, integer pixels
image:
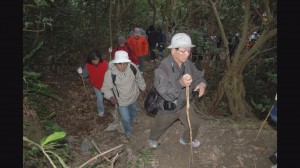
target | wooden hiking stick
[
  {"x": 264, "y": 123},
  {"x": 187, "y": 93},
  {"x": 85, "y": 88},
  {"x": 110, "y": 33}
]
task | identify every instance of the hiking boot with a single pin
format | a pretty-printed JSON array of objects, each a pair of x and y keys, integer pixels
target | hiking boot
[
  {"x": 101, "y": 114},
  {"x": 152, "y": 144},
  {"x": 195, "y": 143}
]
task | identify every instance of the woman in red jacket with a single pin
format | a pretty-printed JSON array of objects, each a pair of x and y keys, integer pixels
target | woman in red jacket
[{"x": 95, "y": 69}]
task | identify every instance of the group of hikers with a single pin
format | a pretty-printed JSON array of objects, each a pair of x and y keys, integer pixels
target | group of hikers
[
  {"x": 233, "y": 41},
  {"x": 121, "y": 82},
  {"x": 141, "y": 43}
]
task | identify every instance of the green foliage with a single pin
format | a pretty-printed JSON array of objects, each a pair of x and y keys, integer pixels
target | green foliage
[
  {"x": 231, "y": 15},
  {"x": 264, "y": 104},
  {"x": 29, "y": 55},
  {"x": 50, "y": 146},
  {"x": 53, "y": 137},
  {"x": 41, "y": 2},
  {"x": 31, "y": 82},
  {"x": 272, "y": 78},
  {"x": 52, "y": 127},
  {"x": 203, "y": 45},
  {"x": 32, "y": 85}
]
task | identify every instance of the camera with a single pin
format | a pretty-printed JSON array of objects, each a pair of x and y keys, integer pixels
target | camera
[{"x": 168, "y": 105}]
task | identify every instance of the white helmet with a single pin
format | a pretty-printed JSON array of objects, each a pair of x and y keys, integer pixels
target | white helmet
[{"x": 181, "y": 40}]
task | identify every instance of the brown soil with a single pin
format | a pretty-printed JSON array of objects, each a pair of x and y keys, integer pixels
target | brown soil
[{"x": 224, "y": 143}]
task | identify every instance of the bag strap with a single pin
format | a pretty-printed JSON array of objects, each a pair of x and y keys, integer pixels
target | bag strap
[{"x": 113, "y": 77}]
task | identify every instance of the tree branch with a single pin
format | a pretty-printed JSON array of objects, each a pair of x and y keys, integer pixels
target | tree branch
[{"x": 100, "y": 155}]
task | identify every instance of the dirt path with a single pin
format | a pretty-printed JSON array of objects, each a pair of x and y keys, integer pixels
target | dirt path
[{"x": 224, "y": 143}]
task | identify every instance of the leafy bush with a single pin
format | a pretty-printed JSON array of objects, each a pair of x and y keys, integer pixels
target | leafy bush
[{"x": 50, "y": 147}]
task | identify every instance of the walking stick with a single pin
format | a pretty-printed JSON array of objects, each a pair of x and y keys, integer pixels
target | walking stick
[
  {"x": 264, "y": 123},
  {"x": 110, "y": 31},
  {"x": 187, "y": 92},
  {"x": 85, "y": 88}
]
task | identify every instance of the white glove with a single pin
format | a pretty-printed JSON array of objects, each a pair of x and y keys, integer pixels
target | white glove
[
  {"x": 109, "y": 49},
  {"x": 79, "y": 70}
]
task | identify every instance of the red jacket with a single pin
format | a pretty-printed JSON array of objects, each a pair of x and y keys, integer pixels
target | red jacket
[
  {"x": 131, "y": 54},
  {"x": 139, "y": 45},
  {"x": 96, "y": 73}
]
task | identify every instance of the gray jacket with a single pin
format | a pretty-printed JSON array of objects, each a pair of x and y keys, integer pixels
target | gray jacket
[
  {"x": 127, "y": 84},
  {"x": 167, "y": 83}
]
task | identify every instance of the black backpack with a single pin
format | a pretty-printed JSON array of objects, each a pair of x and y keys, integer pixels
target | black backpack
[{"x": 151, "y": 103}]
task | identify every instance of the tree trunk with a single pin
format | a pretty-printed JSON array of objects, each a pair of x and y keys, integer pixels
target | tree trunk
[
  {"x": 235, "y": 92},
  {"x": 232, "y": 85}
]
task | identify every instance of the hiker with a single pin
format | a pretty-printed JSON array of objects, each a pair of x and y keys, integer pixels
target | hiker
[
  {"x": 161, "y": 42},
  {"x": 171, "y": 78},
  {"x": 252, "y": 39},
  {"x": 135, "y": 25},
  {"x": 124, "y": 89},
  {"x": 152, "y": 40},
  {"x": 140, "y": 46},
  {"x": 273, "y": 116},
  {"x": 233, "y": 43},
  {"x": 122, "y": 45},
  {"x": 95, "y": 69}
]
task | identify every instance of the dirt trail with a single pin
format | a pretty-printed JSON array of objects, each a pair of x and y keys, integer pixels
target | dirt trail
[{"x": 224, "y": 143}]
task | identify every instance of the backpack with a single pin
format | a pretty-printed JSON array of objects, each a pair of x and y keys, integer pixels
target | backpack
[
  {"x": 151, "y": 103},
  {"x": 113, "y": 76}
]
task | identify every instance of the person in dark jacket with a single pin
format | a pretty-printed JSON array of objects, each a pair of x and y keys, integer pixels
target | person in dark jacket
[
  {"x": 174, "y": 74},
  {"x": 161, "y": 42},
  {"x": 152, "y": 40}
]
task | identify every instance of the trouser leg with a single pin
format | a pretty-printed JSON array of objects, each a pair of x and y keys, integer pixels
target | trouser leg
[
  {"x": 99, "y": 96},
  {"x": 195, "y": 124},
  {"x": 160, "y": 124}
]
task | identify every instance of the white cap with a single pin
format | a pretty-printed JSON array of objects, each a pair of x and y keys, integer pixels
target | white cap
[
  {"x": 121, "y": 56},
  {"x": 181, "y": 40}
]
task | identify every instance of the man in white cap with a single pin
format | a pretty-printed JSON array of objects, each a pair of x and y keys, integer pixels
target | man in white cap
[
  {"x": 125, "y": 88},
  {"x": 171, "y": 78}
]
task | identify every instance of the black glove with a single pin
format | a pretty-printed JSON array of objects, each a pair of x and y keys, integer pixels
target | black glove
[
  {"x": 113, "y": 100},
  {"x": 143, "y": 93}
]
